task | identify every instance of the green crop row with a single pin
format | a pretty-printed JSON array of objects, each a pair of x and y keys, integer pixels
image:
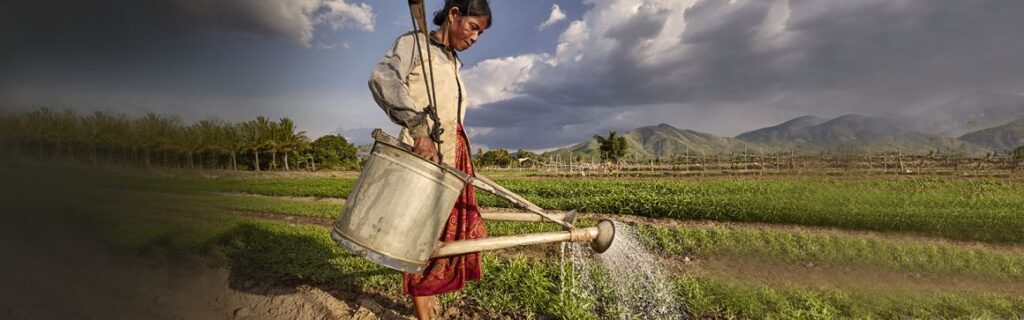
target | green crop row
[
  {"x": 951, "y": 207},
  {"x": 985, "y": 210}
]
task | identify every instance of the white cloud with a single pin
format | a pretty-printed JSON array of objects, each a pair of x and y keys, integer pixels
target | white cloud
[
  {"x": 571, "y": 43},
  {"x": 341, "y": 14},
  {"x": 556, "y": 16},
  {"x": 499, "y": 79}
]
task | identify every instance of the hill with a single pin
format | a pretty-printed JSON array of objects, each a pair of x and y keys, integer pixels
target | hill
[
  {"x": 969, "y": 113},
  {"x": 664, "y": 140},
  {"x": 1000, "y": 139},
  {"x": 789, "y": 132},
  {"x": 856, "y": 134}
]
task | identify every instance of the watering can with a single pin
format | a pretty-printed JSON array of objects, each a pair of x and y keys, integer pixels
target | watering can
[{"x": 398, "y": 208}]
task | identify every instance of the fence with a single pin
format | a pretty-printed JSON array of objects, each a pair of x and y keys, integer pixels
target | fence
[{"x": 779, "y": 164}]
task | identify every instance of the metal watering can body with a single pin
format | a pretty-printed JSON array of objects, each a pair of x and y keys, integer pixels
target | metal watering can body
[{"x": 397, "y": 210}]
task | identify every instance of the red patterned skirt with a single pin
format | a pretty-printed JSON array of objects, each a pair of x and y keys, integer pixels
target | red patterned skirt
[{"x": 449, "y": 274}]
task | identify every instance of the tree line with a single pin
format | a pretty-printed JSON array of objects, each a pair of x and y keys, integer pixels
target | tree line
[{"x": 167, "y": 141}]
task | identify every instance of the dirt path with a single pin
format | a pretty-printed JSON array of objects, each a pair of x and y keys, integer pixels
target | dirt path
[
  {"x": 317, "y": 199},
  {"x": 809, "y": 274}
]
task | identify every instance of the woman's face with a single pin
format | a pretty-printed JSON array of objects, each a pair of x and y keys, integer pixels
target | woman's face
[{"x": 463, "y": 31}]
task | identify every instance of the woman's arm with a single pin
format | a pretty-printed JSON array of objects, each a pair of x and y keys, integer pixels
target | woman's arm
[{"x": 390, "y": 90}]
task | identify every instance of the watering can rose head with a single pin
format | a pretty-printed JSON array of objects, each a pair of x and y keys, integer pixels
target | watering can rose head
[
  {"x": 605, "y": 236},
  {"x": 462, "y": 22}
]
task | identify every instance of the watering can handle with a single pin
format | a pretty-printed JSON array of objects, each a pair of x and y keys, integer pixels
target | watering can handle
[
  {"x": 487, "y": 185},
  {"x": 418, "y": 14},
  {"x": 479, "y": 181}
]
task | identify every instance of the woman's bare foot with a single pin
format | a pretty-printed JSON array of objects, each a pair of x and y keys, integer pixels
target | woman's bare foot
[{"x": 427, "y": 307}]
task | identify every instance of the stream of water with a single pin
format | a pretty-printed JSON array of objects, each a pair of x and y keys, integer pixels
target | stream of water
[{"x": 626, "y": 280}]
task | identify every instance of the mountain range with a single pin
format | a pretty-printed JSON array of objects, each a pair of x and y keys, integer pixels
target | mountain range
[
  {"x": 973, "y": 125},
  {"x": 664, "y": 140}
]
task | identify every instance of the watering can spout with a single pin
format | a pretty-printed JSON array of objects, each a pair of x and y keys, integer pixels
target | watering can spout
[{"x": 600, "y": 238}]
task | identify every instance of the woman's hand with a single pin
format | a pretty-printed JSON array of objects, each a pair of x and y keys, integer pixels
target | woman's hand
[{"x": 424, "y": 147}]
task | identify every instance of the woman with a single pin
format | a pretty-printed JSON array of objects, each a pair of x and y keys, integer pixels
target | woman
[{"x": 401, "y": 88}]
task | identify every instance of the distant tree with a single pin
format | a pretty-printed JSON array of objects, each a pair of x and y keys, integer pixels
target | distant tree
[
  {"x": 156, "y": 133},
  {"x": 334, "y": 151},
  {"x": 612, "y": 148},
  {"x": 525, "y": 154},
  {"x": 272, "y": 141},
  {"x": 253, "y": 137},
  {"x": 524, "y": 157},
  {"x": 9, "y": 132},
  {"x": 496, "y": 157},
  {"x": 212, "y": 142},
  {"x": 190, "y": 140},
  {"x": 234, "y": 142}
]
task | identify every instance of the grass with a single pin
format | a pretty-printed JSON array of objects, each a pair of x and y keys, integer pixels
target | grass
[
  {"x": 320, "y": 187},
  {"x": 182, "y": 220},
  {"x": 301, "y": 208},
  {"x": 306, "y": 254},
  {"x": 514, "y": 285},
  {"x": 951, "y": 207}
]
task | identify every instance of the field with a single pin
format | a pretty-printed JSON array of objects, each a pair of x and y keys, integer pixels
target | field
[{"x": 780, "y": 246}]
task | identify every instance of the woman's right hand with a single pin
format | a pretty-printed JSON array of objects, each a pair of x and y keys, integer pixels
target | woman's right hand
[{"x": 425, "y": 148}]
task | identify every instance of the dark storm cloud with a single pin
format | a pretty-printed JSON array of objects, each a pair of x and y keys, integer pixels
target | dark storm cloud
[
  {"x": 531, "y": 123},
  {"x": 118, "y": 24},
  {"x": 821, "y": 57},
  {"x": 214, "y": 58}
]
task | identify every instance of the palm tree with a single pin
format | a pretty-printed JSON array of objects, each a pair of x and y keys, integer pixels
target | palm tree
[
  {"x": 234, "y": 141},
  {"x": 272, "y": 141},
  {"x": 113, "y": 133},
  {"x": 40, "y": 127},
  {"x": 190, "y": 141},
  {"x": 211, "y": 140},
  {"x": 612, "y": 148},
  {"x": 8, "y": 128},
  {"x": 92, "y": 126},
  {"x": 255, "y": 137},
  {"x": 66, "y": 132},
  {"x": 151, "y": 134},
  {"x": 289, "y": 140}
]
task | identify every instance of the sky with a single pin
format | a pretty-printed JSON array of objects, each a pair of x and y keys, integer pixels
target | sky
[{"x": 547, "y": 74}]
